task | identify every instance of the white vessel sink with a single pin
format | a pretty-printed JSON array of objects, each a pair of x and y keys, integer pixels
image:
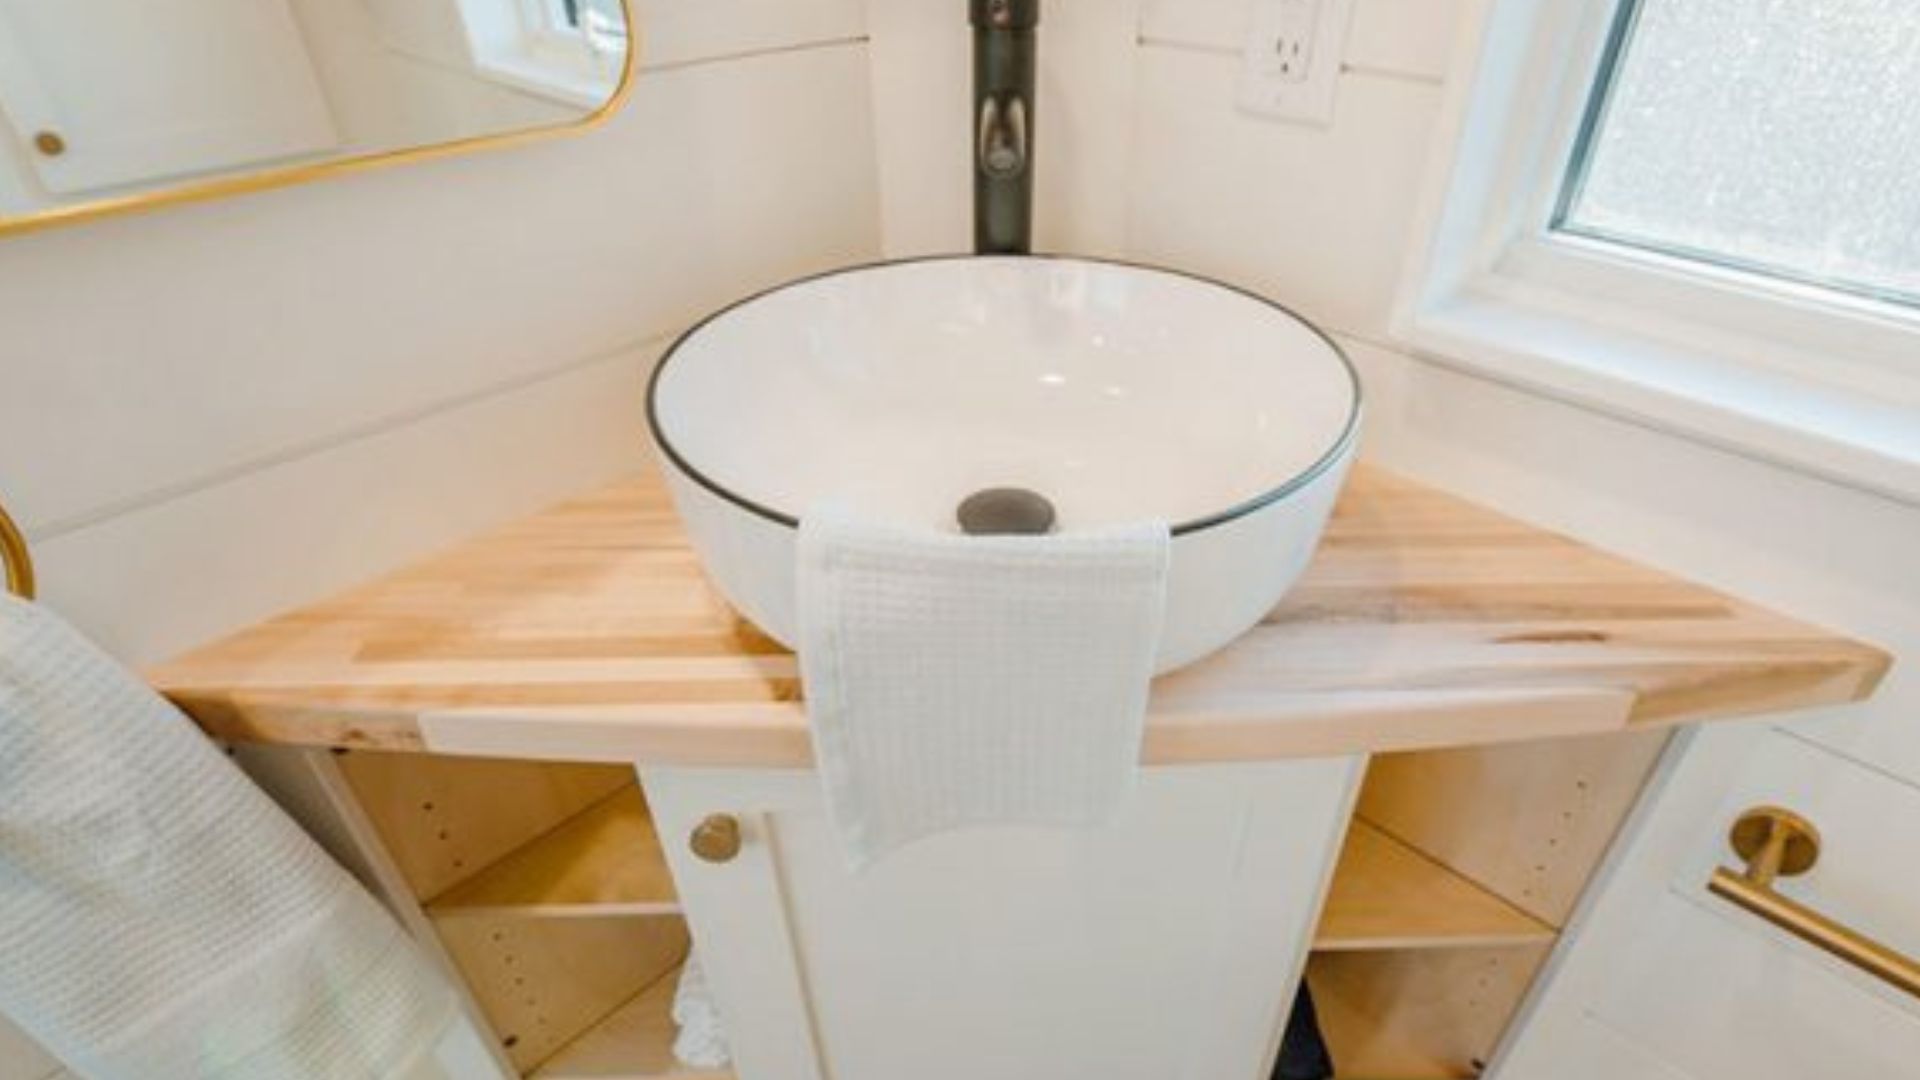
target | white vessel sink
[{"x": 1117, "y": 393}]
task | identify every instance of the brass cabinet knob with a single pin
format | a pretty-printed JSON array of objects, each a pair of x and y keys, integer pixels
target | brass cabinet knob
[
  {"x": 49, "y": 143},
  {"x": 716, "y": 839}
]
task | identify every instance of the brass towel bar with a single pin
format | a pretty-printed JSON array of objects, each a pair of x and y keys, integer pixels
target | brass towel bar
[
  {"x": 13, "y": 552},
  {"x": 1774, "y": 843}
]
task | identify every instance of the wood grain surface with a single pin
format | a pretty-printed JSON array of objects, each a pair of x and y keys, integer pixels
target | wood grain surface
[{"x": 588, "y": 632}]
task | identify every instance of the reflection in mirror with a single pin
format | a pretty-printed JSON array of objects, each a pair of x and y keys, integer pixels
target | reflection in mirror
[{"x": 108, "y": 101}]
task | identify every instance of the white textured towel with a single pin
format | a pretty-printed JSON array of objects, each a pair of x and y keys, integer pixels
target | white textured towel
[
  {"x": 959, "y": 680},
  {"x": 701, "y": 1041},
  {"x": 160, "y": 917}
]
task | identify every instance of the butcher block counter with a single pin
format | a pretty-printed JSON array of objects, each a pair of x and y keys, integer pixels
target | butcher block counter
[{"x": 587, "y": 632}]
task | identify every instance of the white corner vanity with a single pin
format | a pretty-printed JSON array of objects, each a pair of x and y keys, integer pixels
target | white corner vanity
[{"x": 1400, "y": 781}]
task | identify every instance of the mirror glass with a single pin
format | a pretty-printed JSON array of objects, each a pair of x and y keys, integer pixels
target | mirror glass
[{"x": 108, "y": 103}]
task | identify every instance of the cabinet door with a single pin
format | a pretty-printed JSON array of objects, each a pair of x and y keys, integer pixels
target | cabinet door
[
  {"x": 1707, "y": 990},
  {"x": 1164, "y": 946}
]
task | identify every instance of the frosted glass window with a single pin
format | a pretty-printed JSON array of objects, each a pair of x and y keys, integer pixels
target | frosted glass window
[{"x": 1778, "y": 136}]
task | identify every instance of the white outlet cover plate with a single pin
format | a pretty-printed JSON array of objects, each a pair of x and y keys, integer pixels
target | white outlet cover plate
[{"x": 1283, "y": 78}]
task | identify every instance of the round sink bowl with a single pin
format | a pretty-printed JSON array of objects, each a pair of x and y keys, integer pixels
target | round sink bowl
[{"x": 1099, "y": 393}]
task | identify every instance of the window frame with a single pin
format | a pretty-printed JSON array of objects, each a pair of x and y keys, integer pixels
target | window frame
[
  {"x": 1821, "y": 380},
  {"x": 516, "y": 43}
]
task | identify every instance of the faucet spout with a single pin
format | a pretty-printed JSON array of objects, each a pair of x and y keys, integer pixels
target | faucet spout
[{"x": 1003, "y": 115}]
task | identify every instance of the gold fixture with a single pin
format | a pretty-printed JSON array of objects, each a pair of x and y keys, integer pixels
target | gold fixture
[
  {"x": 13, "y": 552},
  {"x": 1776, "y": 843},
  {"x": 717, "y": 838},
  {"x": 288, "y": 175}
]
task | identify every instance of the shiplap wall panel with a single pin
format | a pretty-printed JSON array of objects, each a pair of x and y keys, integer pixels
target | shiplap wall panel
[
  {"x": 1405, "y": 37},
  {"x": 1099, "y": 144},
  {"x": 1086, "y": 86},
  {"x": 680, "y": 32},
  {"x": 151, "y": 581},
  {"x": 1313, "y": 217},
  {"x": 919, "y": 56}
]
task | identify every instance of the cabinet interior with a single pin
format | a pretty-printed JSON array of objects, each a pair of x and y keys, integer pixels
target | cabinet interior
[{"x": 547, "y": 888}]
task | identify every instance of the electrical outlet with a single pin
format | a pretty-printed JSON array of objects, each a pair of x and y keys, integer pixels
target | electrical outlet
[
  {"x": 1291, "y": 63},
  {"x": 1287, "y": 44}
]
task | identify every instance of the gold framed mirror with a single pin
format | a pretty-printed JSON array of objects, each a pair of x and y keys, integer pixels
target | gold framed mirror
[{"x": 111, "y": 106}]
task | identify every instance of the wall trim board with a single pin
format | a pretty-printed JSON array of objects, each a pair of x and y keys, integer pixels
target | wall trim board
[{"x": 762, "y": 52}]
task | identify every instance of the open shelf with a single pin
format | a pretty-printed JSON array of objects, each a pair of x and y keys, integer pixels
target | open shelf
[
  {"x": 1388, "y": 895},
  {"x": 541, "y": 983},
  {"x": 633, "y": 1042},
  {"x": 604, "y": 860}
]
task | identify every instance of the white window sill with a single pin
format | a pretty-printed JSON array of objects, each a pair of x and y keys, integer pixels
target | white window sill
[{"x": 1860, "y": 439}]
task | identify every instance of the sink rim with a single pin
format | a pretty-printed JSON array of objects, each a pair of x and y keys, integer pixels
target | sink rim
[{"x": 1334, "y": 454}]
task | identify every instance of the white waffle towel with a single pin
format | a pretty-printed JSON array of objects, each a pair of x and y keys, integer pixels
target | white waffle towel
[
  {"x": 701, "y": 1041},
  {"x": 160, "y": 918},
  {"x": 965, "y": 680}
]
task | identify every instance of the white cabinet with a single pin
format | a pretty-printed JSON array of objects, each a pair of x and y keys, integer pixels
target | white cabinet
[
  {"x": 1164, "y": 946},
  {"x": 1689, "y": 985}
]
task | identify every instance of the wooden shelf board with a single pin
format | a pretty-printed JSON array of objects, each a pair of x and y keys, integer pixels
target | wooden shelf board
[
  {"x": 1387, "y": 895},
  {"x": 633, "y": 1042},
  {"x": 542, "y": 982},
  {"x": 605, "y": 860}
]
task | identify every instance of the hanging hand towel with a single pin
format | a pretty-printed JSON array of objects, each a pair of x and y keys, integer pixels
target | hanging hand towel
[
  {"x": 160, "y": 917},
  {"x": 959, "y": 680},
  {"x": 701, "y": 1041}
]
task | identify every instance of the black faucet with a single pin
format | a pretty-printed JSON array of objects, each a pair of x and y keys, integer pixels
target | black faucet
[{"x": 1003, "y": 77}]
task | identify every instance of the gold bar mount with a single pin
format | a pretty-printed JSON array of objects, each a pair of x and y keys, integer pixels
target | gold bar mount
[{"x": 1780, "y": 843}]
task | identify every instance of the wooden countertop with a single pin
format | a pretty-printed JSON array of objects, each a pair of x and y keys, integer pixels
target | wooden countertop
[{"x": 587, "y": 632}]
